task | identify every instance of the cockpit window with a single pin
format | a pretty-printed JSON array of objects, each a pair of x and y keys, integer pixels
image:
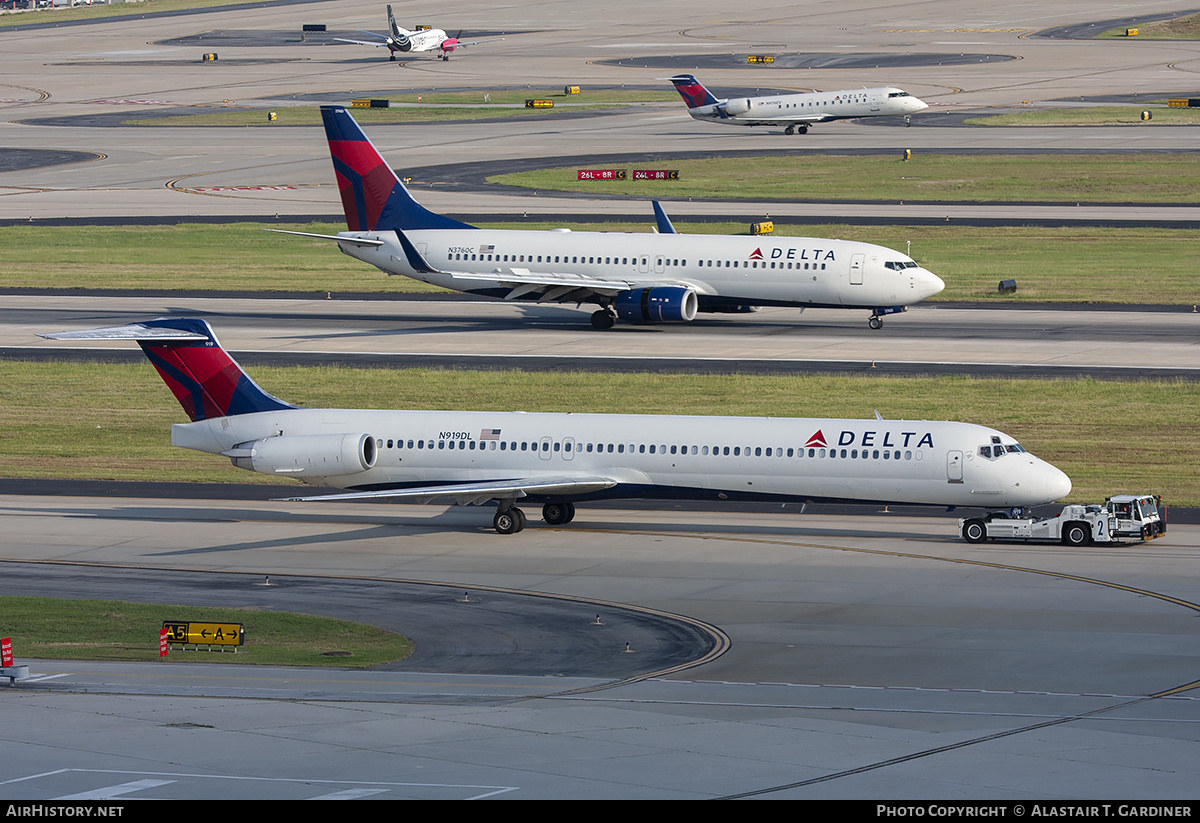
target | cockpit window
[
  {"x": 897, "y": 265},
  {"x": 997, "y": 450},
  {"x": 897, "y": 94}
]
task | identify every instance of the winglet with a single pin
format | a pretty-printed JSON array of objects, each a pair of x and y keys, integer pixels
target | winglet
[
  {"x": 661, "y": 220},
  {"x": 416, "y": 260}
]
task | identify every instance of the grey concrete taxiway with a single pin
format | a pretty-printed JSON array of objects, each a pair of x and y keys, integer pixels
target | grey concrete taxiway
[
  {"x": 1034, "y": 341},
  {"x": 880, "y": 657},
  {"x": 867, "y": 657}
]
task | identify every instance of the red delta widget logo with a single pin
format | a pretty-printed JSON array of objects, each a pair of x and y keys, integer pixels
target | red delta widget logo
[
  {"x": 817, "y": 255},
  {"x": 870, "y": 438}
]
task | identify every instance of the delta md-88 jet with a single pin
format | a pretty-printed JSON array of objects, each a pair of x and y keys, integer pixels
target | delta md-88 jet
[
  {"x": 648, "y": 278},
  {"x": 559, "y": 460},
  {"x": 795, "y": 112}
]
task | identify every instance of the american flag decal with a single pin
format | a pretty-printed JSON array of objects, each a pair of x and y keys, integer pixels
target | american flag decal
[
  {"x": 487, "y": 247},
  {"x": 489, "y": 434}
]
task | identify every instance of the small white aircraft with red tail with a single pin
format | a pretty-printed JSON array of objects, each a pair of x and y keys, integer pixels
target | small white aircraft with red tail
[{"x": 405, "y": 41}]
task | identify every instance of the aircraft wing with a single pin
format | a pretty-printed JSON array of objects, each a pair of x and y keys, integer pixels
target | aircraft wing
[
  {"x": 359, "y": 42},
  {"x": 475, "y": 494},
  {"x": 550, "y": 287}
]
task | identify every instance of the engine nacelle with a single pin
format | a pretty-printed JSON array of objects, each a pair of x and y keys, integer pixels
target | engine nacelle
[
  {"x": 320, "y": 455},
  {"x": 739, "y": 106},
  {"x": 659, "y": 304},
  {"x": 402, "y": 43}
]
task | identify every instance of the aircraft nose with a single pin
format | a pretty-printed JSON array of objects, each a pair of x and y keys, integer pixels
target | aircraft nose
[
  {"x": 929, "y": 284},
  {"x": 1058, "y": 485},
  {"x": 920, "y": 105}
]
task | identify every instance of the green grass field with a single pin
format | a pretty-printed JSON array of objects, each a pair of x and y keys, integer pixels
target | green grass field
[
  {"x": 1100, "y": 265},
  {"x": 433, "y": 107},
  {"x": 44, "y": 627},
  {"x": 1161, "y": 115},
  {"x": 1181, "y": 28},
  {"x": 112, "y": 422},
  {"x": 109, "y": 10},
  {"x": 1144, "y": 178}
]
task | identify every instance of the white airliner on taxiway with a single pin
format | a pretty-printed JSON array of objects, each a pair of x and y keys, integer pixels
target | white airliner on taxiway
[
  {"x": 405, "y": 41},
  {"x": 796, "y": 112},
  {"x": 469, "y": 457},
  {"x": 650, "y": 278}
]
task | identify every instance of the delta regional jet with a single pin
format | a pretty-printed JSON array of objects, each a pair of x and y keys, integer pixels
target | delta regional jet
[
  {"x": 795, "y": 112},
  {"x": 559, "y": 460},
  {"x": 649, "y": 278},
  {"x": 405, "y": 41}
]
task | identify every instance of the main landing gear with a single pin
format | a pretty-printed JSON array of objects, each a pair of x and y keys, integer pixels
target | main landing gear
[
  {"x": 603, "y": 319},
  {"x": 875, "y": 322},
  {"x": 796, "y": 129},
  {"x": 510, "y": 520}
]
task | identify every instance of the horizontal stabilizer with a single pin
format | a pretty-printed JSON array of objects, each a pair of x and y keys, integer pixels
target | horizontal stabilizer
[
  {"x": 132, "y": 331},
  {"x": 358, "y": 241}
]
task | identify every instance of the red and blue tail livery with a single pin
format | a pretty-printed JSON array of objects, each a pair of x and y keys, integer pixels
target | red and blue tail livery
[
  {"x": 206, "y": 381},
  {"x": 693, "y": 91},
  {"x": 373, "y": 197}
]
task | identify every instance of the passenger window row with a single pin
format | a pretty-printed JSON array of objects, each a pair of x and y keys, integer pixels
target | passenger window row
[
  {"x": 651, "y": 448},
  {"x": 628, "y": 261}
]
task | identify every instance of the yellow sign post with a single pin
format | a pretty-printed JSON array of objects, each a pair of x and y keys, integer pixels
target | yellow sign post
[{"x": 190, "y": 633}]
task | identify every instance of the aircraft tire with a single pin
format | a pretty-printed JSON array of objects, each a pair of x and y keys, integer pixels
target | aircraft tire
[
  {"x": 558, "y": 514},
  {"x": 603, "y": 319},
  {"x": 974, "y": 531},
  {"x": 509, "y": 521},
  {"x": 1077, "y": 534},
  {"x": 875, "y": 322}
]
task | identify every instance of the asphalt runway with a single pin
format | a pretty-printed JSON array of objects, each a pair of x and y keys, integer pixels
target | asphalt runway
[{"x": 867, "y": 656}]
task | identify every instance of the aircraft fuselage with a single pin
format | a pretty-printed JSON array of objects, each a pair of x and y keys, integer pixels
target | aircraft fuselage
[{"x": 725, "y": 270}]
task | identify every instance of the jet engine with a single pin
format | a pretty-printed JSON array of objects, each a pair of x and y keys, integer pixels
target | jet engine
[
  {"x": 320, "y": 455},
  {"x": 659, "y": 304},
  {"x": 739, "y": 106},
  {"x": 402, "y": 42}
]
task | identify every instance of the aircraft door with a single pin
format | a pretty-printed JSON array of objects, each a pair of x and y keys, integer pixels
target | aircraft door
[
  {"x": 874, "y": 102},
  {"x": 856, "y": 269},
  {"x": 954, "y": 466},
  {"x": 568, "y": 448},
  {"x": 544, "y": 447},
  {"x": 644, "y": 264}
]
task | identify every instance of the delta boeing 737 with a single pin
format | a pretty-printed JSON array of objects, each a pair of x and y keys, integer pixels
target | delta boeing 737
[
  {"x": 647, "y": 278},
  {"x": 559, "y": 460}
]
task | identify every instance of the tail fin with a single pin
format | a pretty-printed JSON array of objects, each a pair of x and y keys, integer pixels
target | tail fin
[
  {"x": 203, "y": 377},
  {"x": 693, "y": 91},
  {"x": 373, "y": 197},
  {"x": 396, "y": 33}
]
